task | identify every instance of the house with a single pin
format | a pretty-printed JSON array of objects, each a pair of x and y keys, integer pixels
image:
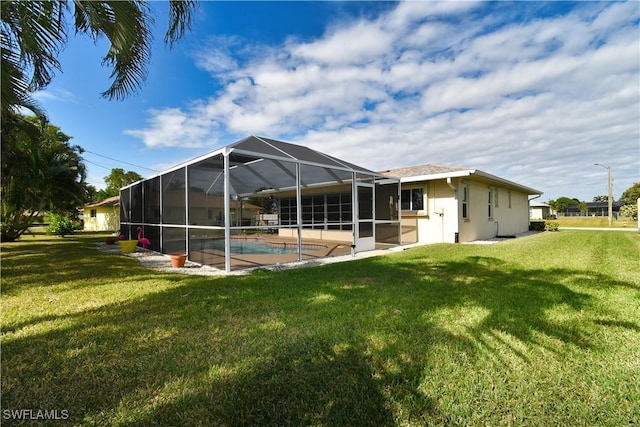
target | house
[
  {"x": 103, "y": 215},
  {"x": 594, "y": 209},
  {"x": 448, "y": 204},
  {"x": 540, "y": 210}
]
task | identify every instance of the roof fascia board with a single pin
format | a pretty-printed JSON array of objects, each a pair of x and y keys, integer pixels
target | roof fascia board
[
  {"x": 431, "y": 177},
  {"x": 507, "y": 183},
  {"x": 471, "y": 173}
]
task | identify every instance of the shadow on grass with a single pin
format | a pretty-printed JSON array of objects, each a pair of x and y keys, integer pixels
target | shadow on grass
[
  {"x": 68, "y": 260},
  {"x": 306, "y": 382},
  {"x": 344, "y": 344}
]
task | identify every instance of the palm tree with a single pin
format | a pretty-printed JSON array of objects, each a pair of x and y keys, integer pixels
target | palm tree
[
  {"x": 32, "y": 33},
  {"x": 38, "y": 174}
]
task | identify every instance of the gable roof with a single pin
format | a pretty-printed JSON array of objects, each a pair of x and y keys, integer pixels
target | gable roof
[
  {"x": 431, "y": 172},
  {"x": 420, "y": 170},
  {"x": 538, "y": 204},
  {"x": 111, "y": 201}
]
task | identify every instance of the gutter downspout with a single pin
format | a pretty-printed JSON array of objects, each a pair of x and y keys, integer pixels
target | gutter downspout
[
  {"x": 455, "y": 189},
  {"x": 455, "y": 197}
]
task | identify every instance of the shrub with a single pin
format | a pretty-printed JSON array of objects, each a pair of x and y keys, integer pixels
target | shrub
[
  {"x": 60, "y": 225},
  {"x": 551, "y": 225},
  {"x": 540, "y": 225},
  {"x": 537, "y": 225},
  {"x": 629, "y": 211}
]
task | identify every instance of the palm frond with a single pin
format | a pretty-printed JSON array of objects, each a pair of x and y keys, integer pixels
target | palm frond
[
  {"x": 126, "y": 25},
  {"x": 180, "y": 16},
  {"x": 34, "y": 32},
  {"x": 31, "y": 35}
]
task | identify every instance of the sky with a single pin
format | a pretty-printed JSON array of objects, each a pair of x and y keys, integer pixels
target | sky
[{"x": 533, "y": 92}]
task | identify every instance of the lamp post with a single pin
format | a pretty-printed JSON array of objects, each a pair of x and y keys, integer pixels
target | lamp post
[{"x": 610, "y": 185}]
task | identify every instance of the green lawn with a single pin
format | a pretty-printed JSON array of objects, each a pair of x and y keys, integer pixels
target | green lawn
[
  {"x": 596, "y": 221},
  {"x": 542, "y": 330}
]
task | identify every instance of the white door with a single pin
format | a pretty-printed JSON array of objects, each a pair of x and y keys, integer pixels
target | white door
[{"x": 365, "y": 237}]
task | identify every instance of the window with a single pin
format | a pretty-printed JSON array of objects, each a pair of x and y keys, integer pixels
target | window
[
  {"x": 465, "y": 201},
  {"x": 331, "y": 211},
  {"x": 497, "y": 200},
  {"x": 94, "y": 213},
  {"x": 489, "y": 206},
  {"x": 411, "y": 200},
  {"x": 288, "y": 211}
]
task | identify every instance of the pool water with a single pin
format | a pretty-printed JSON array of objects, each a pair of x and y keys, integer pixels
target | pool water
[{"x": 248, "y": 247}]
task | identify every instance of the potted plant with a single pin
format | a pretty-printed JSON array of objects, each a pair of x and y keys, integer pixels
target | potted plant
[
  {"x": 110, "y": 240},
  {"x": 178, "y": 260},
  {"x": 127, "y": 246}
]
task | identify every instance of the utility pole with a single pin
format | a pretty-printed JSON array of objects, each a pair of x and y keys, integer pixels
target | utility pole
[{"x": 610, "y": 186}]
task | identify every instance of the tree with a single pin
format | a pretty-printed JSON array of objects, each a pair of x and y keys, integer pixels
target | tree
[
  {"x": 34, "y": 32},
  {"x": 561, "y": 204},
  {"x": 631, "y": 194},
  {"x": 90, "y": 193},
  {"x": 601, "y": 199},
  {"x": 583, "y": 207},
  {"x": 629, "y": 200},
  {"x": 630, "y": 211},
  {"x": 40, "y": 172},
  {"x": 117, "y": 179}
]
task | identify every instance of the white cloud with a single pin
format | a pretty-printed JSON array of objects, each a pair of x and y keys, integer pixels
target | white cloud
[
  {"x": 54, "y": 93},
  {"x": 172, "y": 127},
  {"x": 539, "y": 100},
  {"x": 356, "y": 44}
]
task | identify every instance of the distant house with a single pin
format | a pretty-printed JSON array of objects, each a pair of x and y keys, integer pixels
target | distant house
[
  {"x": 540, "y": 210},
  {"x": 447, "y": 204},
  {"x": 103, "y": 215},
  {"x": 594, "y": 209}
]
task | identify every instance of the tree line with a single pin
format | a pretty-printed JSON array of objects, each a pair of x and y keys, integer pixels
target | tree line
[
  {"x": 41, "y": 169},
  {"x": 628, "y": 199}
]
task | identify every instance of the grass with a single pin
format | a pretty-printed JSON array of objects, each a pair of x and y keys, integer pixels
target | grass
[
  {"x": 543, "y": 330},
  {"x": 596, "y": 221}
]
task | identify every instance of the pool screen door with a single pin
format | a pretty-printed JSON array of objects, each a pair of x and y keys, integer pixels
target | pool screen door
[{"x": 365, "y": 239}]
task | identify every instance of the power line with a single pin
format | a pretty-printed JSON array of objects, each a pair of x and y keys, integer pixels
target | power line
[
  {"x": 97, "y": 164},
  {"x": 121, "y": 161}
]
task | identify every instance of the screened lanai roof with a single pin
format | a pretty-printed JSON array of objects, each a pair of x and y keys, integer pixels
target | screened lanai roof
[
  {"x": 260, "y": 165},
  {"x": 273, "y": 148}
]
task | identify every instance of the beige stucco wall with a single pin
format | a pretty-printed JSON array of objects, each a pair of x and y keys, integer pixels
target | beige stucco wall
[
  {"x": 107, "y": 219},
  {"x": 507, "y": 218},
  {"x": 331, "y": 235},
  {"x": 438, "y": 221},
  {"x": 442, "y": 217}
]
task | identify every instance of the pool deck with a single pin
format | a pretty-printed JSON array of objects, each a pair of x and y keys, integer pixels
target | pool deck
[
  {"x": 162, "y": 262},
  {"x": 316, "y": 249}
]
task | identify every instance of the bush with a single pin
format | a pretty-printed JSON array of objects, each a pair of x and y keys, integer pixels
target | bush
[
  {"x": 60, "y": 225},
  {"x": 551, "y": 225},
  {"x": 537, "y": 225},
  {"x": 630, "y": 211}
]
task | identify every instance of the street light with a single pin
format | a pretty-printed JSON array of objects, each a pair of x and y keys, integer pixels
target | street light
[{"x": 610, "y": 185}]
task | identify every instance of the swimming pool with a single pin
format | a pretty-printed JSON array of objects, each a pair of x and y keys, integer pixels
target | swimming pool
[{"x": 261, "y": 247}]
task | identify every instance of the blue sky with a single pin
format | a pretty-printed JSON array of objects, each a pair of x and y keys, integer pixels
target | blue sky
[{"x": 534, "y": 92}]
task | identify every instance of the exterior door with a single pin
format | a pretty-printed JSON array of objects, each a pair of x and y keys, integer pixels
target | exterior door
[{"x": 365, "y": 238}]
